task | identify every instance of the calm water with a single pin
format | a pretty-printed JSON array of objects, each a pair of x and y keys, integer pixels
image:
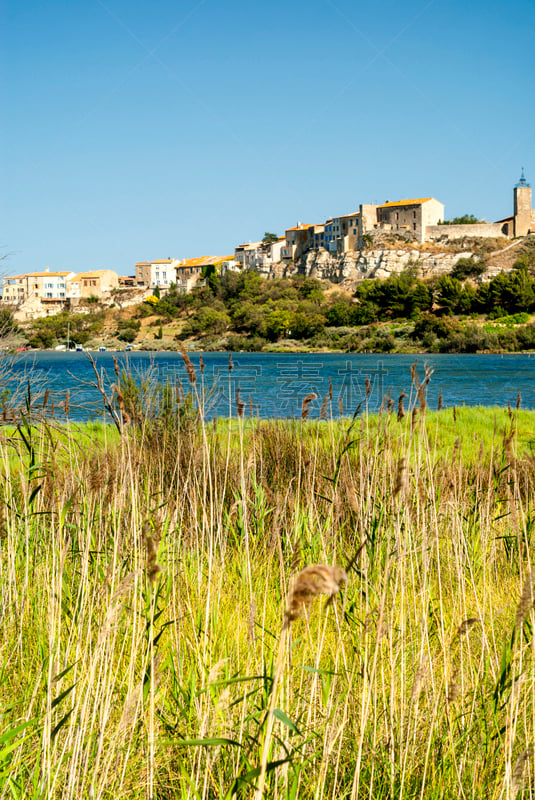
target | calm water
[{"x": 275, "y": 384}]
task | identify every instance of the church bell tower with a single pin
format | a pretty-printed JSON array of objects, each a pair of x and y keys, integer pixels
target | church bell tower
[{"x": 522, "y": 206}]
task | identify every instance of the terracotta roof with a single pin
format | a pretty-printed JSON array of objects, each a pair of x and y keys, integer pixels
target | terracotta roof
[
  {"x": 163, "y": 261},
  {"x": 202, "y": 261},
  {"x": 96, "y": 273},
  {"x": 299, "y": 228},
  {"x": 46, "y": 274},
  {"x": 416, "y": 202}
]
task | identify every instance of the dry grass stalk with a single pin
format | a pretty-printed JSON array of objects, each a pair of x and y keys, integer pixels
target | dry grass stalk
[
  {"x": 419, "y": 680},
  {"x": 517, "y": 776},
  {"x": 518, "y": 401},
  {"x": 313, "y": 581},
  {"x": 401, "y": 477},
  {"x": 125, "y": 416},
  {"x": 305, "y": 408},
  {"x": 401, "y": 410},
  {"x": 296, "y": 556},
  {"x": 453, "y": 689},
  {"x": 240, "y": 405},
  {"x": 190, "y": 369},
  {"x": 152, "y": 542},
  {"x": 440, "y": 401},
  {"x": 324, "y": 407},
  {"x": 527, "y": 600},
  {"x": 251, "y": 623},
  {"x": 465, "y": 626}
]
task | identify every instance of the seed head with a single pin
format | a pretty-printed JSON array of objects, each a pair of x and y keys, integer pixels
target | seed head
[{"x": 311, "y": 582}]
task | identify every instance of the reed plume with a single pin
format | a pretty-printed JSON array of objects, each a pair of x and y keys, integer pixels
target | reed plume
[
  {"x": 305, "y": 408},
  {"x": 190, "y": 369},
  {"x": 311, "y": 582}
]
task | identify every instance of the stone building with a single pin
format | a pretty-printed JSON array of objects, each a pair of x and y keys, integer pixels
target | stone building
[
  {"x": 297, "y": 241},
  {"x": 408, "y": 218},
  {"x": 259, "y": 254},
  {"x": 190, "y": 271},
  {"x": 94, "y": 283},
  {"x": 39, "y": 286},
  {"x": 161, "y": 273}
]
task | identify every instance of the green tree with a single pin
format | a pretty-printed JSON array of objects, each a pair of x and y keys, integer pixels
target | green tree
[
  {"x": 466, "y": 219},
  {"x": 269, "y": 239}
]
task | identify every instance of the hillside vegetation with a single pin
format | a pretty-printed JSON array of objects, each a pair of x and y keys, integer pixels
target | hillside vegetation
[{"x": 459, "y": 312}]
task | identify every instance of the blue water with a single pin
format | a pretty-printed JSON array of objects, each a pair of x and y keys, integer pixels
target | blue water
[{"x": 274, "y": 384}]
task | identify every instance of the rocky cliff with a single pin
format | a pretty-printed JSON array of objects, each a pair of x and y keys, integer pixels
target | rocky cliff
[{"x": 358, "y": 265}]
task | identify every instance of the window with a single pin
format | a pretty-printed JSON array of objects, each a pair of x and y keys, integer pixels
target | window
[
  {"x": 354, "y": 231},
  {"x": 414, "y": 214},
  {"x": 414, "y": 226}
]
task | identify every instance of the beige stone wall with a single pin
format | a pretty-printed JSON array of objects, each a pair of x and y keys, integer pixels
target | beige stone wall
[
  {"x": 485, "y": 230},
  {"x": 367, "y": 219}
]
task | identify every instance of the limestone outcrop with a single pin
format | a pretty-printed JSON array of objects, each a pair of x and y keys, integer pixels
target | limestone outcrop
[{"x": 358, "y": 265}]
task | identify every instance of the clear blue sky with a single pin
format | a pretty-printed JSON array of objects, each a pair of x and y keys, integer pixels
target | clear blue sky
[{"x": 138, "y": 130}]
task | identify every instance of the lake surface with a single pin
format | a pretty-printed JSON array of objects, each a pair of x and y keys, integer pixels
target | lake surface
[{"x": 275, "y": 384}]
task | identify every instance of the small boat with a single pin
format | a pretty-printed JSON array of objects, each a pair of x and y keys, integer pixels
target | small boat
[
  {"x": 79, "y": 348},
  {"x": 102, "y": 349}
]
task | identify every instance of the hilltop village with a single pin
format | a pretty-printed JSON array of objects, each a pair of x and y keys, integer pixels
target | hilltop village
[
  {"x": 373, "y": 241},
  {"x": 341, "y": 284}
]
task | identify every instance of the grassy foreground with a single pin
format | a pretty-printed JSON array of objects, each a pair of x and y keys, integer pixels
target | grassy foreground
[{"x": 146, "y": 647}]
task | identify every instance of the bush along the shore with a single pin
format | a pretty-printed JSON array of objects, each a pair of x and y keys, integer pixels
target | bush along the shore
[{"x": 242, "y": 311}]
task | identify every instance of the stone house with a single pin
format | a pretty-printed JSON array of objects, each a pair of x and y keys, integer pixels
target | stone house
[
  {"x": 94, "y": 283},
  {"x": 189, "y": 271},
  {"x": 256, "y": 255},
  {"x": 14, "y": 290},
  {"x": 297, "y": 241},
  {"x": 160, "y": 272},
  {"x": 408, "y": 218},
  {"x": 36, "y": 286}
]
